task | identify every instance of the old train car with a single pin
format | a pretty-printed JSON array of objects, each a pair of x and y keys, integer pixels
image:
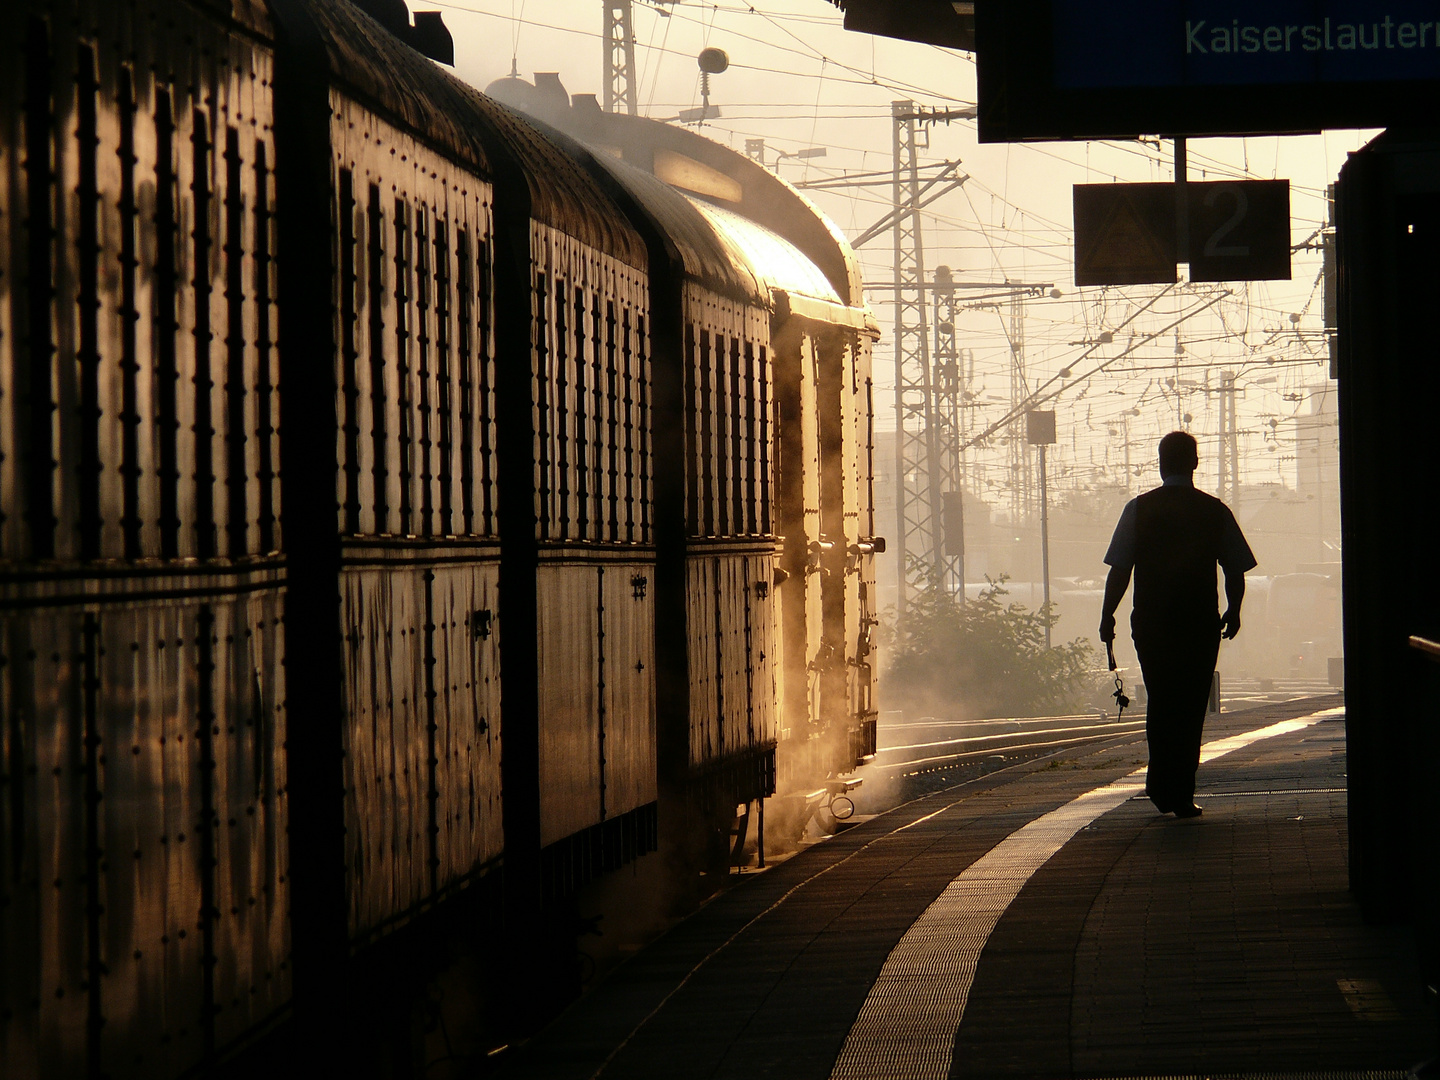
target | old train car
[
  {"x": 819, "y": 336},
  {"x": 457, "y": 478},
  {"x": 717, "y": 624},
  {"x": 143, "y": 816},
  {"x": 763, "y": 283},
  {"x": 400, "y": 379}
]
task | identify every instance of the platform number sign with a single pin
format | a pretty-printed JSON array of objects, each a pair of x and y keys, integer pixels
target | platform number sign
[
  {"x": 1132, "y": 234},
  {"x": 1240, "y": 230}
]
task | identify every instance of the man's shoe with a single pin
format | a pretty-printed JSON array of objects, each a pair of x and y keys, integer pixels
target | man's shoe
[{"x": 1188, "y": 811}]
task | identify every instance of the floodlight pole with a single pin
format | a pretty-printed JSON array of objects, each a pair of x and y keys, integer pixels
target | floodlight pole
[
  {"x": 1045, "y": 542},
  {"x": 1040, "y": 431}
]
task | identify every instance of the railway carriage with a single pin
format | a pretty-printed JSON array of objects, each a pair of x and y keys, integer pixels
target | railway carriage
[
  {"x": 142, "y": 684},
  {"x": 803, "y": 313},
  {"x": 491, "y": 482},
  {"x": 764, "y": 491}
]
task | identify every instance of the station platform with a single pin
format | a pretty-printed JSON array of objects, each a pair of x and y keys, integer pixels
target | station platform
[{"x": 1041, "y": 921}]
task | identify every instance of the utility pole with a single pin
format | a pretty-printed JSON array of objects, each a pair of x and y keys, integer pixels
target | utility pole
[
  {"x": 1229, "y": 441},
  {"x": 951, "y": 379},
  {"x": 619, "y": 83},
  {"x": 1224, "y": 443},
  {"x": 1021, "y": 494},
  {"x": 1040, "y": 431},
  {"x": 919, "y": 480},
  {"x": 1125, "y": 424}
]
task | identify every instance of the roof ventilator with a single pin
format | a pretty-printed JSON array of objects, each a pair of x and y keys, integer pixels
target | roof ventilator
[{"x": 429, "y": 36}]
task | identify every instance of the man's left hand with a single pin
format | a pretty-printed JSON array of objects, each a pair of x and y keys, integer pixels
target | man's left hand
[{"x": 1230, "y": 624}]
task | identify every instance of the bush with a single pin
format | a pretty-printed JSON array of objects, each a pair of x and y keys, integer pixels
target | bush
[{"x": 983, "y": 658}]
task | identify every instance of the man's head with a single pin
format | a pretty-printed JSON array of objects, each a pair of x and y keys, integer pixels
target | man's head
[{"x": 1178, "y": 454}]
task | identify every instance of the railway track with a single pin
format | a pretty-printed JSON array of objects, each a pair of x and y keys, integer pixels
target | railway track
[
  {"x": 922, "y": 756},
  {"x": 927, "y": 745}
]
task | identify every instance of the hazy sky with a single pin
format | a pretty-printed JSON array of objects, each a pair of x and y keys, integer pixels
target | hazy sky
[{"x": 797, "y": 79}]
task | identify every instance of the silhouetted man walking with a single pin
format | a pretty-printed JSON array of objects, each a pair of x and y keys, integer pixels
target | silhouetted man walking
[{"x": 1171, "y": 538}]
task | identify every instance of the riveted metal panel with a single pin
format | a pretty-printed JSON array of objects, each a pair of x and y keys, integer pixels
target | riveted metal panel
[
  {"x": 563, "y": 195},
  {"x": 734, "y": 664},
  {"x": 386, "y": 745},
  {"x": 178, "y": 894},
  {"x": 415, "y": 370},
  {"x": 147, "y": 714},
  {"x": 762, "y": 624},
  {"x": 569, "y": 655},
  {"x": 597, "y": 705},
  {"x": 705, "y": 689},
  {"x": 150, "y": 876},
  {"x": 629, "y": 685},
  {"x": 45, "y": 725},
  {"x": 20, "y": 893},
  {"x": 250, "y": 912},
  {"x": 732, "y": 602},
  {"x": 468, "y": 720},
  {"x": 192, "y": 872}
]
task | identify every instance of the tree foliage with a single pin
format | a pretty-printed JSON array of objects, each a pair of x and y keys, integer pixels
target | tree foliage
[{"x": 984, "y": 658}]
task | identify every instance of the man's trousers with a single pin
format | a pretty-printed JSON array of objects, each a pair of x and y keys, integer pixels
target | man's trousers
[{"x": 1177, "y": 669}]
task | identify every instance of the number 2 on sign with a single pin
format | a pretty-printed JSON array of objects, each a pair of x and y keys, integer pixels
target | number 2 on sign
[{"x": 1213, "y": 247}]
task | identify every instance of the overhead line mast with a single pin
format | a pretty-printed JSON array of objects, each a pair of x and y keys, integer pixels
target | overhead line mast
[
  {"x": 922, "y": 465},
  {"x": 620, "y": 91}
]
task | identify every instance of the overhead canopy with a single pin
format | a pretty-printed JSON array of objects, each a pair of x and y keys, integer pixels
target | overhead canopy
[{"x": 949, "y": 23}]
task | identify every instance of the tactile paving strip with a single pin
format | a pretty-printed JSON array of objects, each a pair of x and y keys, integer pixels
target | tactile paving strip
[
  {"x": 908, "y": 1022},
  {"x": 1391, "y": 1074}
]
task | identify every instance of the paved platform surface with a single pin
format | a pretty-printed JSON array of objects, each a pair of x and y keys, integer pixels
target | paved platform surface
[{"x": 1043, "y": 921}]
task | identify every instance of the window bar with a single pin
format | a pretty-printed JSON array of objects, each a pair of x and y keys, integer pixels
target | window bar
[
  {"x": 237, "y": 471},
  {"x": 205, "y": 539},
  {"x": 445, "y": 389},
  {"x": 264, "y": 383},
  {"x": 405, "y": 435}
]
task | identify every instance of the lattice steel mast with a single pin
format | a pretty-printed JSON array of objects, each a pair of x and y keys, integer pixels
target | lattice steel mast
[
  {"x": 919, "y": 473},
  {"x": 954, "y": 372},
  {"x": 621, "y": 94}
]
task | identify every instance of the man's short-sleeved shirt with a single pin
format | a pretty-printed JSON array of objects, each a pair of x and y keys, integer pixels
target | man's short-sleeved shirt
[{"x": 1173, "y": 537}]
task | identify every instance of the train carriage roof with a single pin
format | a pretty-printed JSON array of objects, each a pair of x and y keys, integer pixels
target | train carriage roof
[
  {"x": 736, "y": 227},
  {"x": 722, "y": 177},
  {"x": 732, "y": 255},
  {"x": 703, "y": 253},
  {"x": 364, "y": 60},
  {"x": 785, "y": 275}
]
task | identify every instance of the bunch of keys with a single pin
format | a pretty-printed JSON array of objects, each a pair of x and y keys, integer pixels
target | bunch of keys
[{"x": 1120, "y": 699}]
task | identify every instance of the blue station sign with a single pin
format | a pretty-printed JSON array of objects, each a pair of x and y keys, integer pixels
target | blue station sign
[
  {"x": 1119, "y": 68},
  {"x": 1135, "y": 43}
]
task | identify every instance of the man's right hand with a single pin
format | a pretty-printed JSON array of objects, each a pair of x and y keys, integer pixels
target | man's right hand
[{"x": 1107, "y": 627}]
